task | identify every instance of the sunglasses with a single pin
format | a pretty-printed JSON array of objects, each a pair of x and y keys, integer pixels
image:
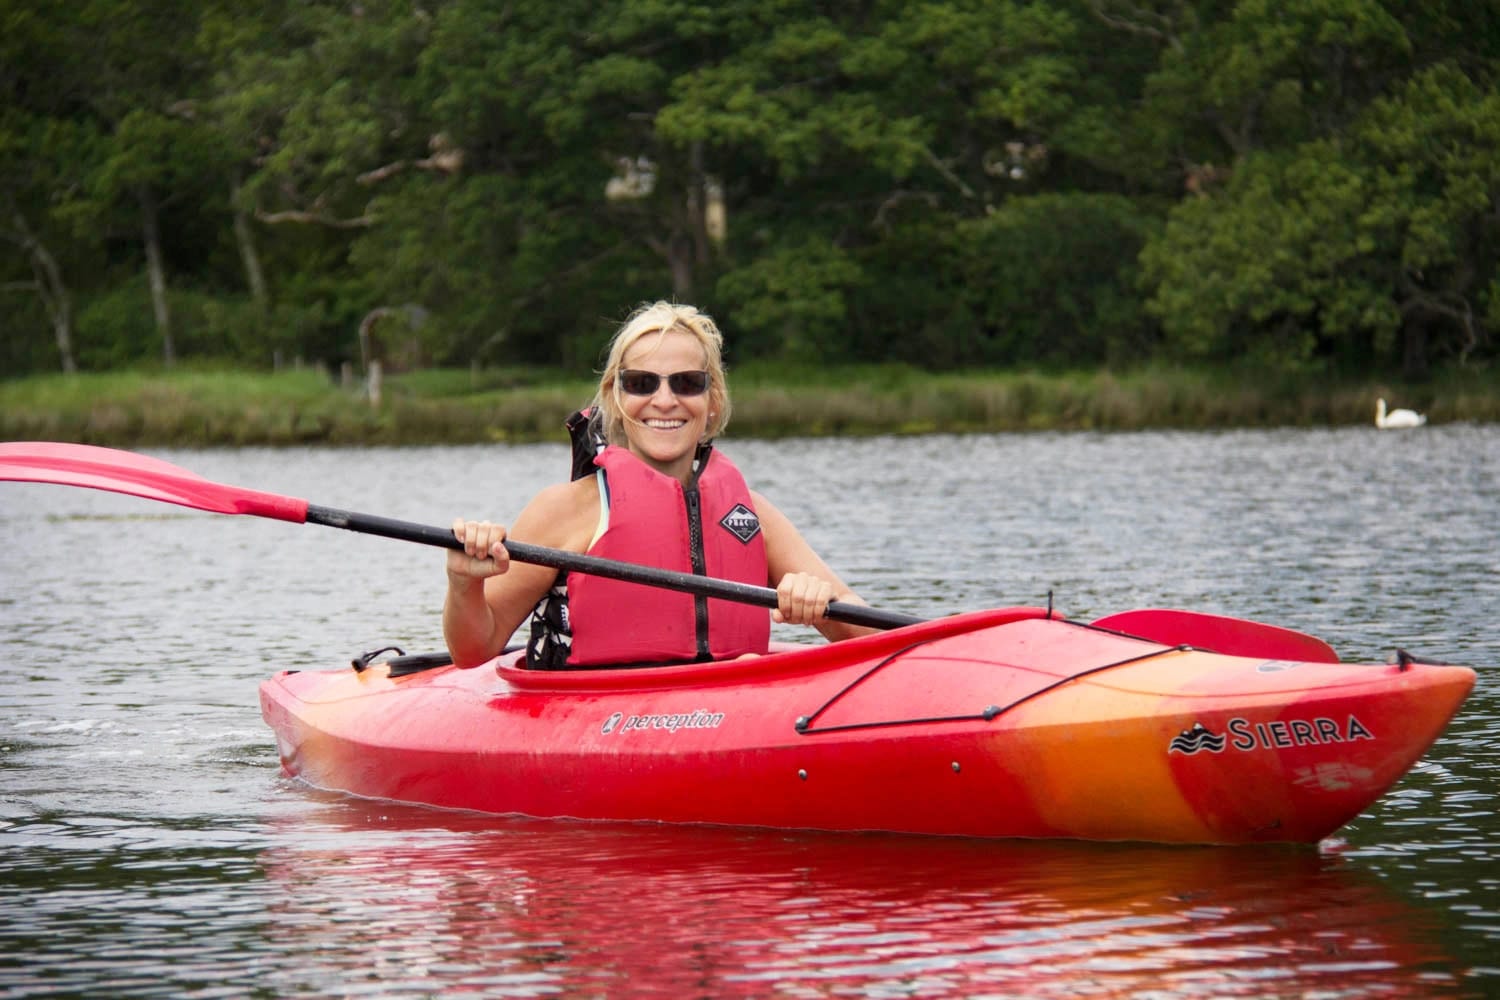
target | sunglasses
[{"x": 639, "y": 383}]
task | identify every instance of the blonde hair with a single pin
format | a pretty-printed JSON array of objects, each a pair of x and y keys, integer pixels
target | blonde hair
[{"x": 662, "y": 317}]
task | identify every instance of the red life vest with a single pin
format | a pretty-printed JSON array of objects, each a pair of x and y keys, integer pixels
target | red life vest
[{"x": 709, "y": 528}]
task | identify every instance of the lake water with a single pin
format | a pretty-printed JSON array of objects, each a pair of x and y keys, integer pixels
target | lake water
[{"x": 150, "y": 847}]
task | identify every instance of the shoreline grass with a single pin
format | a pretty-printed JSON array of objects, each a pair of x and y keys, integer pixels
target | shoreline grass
[{"x": 205, "y": 408}]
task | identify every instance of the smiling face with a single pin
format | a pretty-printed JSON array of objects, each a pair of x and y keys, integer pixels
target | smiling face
[{"x": 664, "y": 429}]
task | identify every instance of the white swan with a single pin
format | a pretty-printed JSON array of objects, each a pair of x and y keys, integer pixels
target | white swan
[{"x": 1397, "y": 418}]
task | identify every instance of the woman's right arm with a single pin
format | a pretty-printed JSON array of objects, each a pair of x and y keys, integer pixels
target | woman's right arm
[{"x": 488, "y": 595}]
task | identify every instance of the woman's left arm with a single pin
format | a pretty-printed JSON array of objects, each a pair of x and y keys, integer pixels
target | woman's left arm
[{"x": 804, "y": 582}]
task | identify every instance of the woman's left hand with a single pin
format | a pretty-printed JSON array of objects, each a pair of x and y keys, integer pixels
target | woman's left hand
[{"x": 801, "y": 599}]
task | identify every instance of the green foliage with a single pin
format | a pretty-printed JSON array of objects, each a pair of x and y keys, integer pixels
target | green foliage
[
  {"x": 115, "y": 327},
  {"x": 943, "y": 182},
  {"x": 792, "y": 304},
  {"x": 1051, "y": 279},
  {"x": 1386, "y": 230}
]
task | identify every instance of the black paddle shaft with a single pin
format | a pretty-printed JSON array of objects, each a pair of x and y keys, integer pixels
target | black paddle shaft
[{"x": 706, "y": 586}]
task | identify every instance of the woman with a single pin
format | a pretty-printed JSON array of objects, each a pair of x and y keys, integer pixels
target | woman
[{"x": 661, "y": 496}]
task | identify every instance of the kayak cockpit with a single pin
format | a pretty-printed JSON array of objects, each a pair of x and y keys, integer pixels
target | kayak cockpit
[{"x": 510, "y": 664}]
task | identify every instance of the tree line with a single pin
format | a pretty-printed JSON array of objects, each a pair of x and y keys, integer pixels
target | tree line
[{"x": 946, "y": 183}]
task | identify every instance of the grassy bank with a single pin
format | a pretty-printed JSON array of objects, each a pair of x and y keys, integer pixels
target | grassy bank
[{"x": 203, "y": 408}]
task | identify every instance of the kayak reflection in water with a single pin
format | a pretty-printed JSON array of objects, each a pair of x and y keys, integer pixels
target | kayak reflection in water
[{"x": 649, "y": 488}]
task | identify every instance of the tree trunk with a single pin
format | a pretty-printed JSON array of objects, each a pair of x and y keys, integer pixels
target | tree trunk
[
  {"x": 244, "y": 239},
  {"x": 1414, "y": 348},
  {"x": 680, "y": 260},
  {"x": 59, "y": 304},
  {"x": 52, "y": 289},
  {"x": 156, "y": 274},
  {"x": 697, "y": 209},
  {"x": 677, "y": 250}
]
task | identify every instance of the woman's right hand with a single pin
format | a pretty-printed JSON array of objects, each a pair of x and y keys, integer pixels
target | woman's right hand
[{"x": 484, "y": 554}]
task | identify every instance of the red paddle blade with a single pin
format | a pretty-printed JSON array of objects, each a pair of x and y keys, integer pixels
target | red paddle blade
[
  {"x": 1235, "y": 636},
  {"x": 137, "y": 475}
]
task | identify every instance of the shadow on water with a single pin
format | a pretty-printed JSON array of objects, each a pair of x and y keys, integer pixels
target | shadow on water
[{"x": 387, "y": 896}]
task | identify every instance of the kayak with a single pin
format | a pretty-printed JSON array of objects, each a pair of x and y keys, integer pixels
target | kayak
[{"x": 1010, "y": 722}]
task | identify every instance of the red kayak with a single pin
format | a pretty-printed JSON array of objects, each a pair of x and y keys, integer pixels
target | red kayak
[{"x": 1001, "y": 723}]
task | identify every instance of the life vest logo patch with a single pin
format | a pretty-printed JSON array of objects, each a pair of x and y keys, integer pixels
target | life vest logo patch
[{"x": 741, "y": 522}]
